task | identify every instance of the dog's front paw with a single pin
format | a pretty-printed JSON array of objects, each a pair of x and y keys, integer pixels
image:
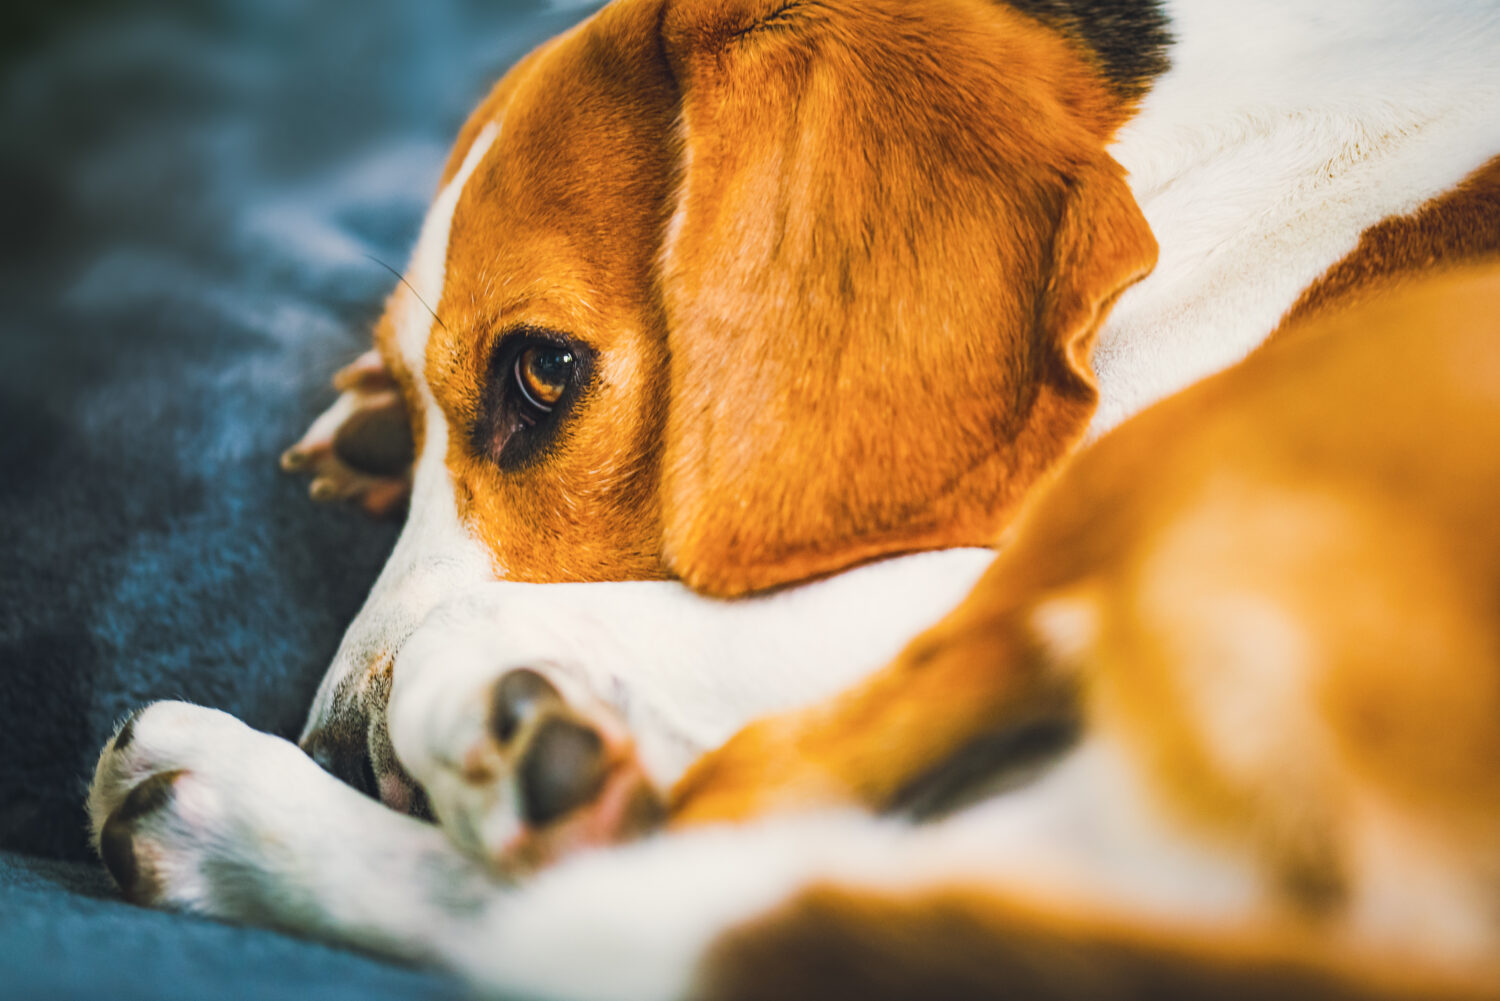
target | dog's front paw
[
  {"x": 360, "y": 449},
  {"x": 520, "y": 764},
  {"x": 190, "y": 808},
  {"x": 193, "y": 810}
]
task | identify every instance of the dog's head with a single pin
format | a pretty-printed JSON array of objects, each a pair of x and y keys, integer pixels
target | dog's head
[{"x": 744, "y": 294}]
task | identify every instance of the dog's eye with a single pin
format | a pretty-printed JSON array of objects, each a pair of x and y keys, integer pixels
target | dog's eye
[
  {"x": 542, "y": 373},
  {"x": 536, "y": 377}
]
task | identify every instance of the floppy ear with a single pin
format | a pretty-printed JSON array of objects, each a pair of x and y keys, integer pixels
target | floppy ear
[{"x": 894, "y": 240}]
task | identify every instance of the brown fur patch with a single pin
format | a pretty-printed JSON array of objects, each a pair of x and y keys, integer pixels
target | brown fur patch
[
  {"x": 839, "y": 942},
  {"x": 881, "y": 310},
  {"x": 1460, "y": 227},
  {"x": 1286, "y": 575}
]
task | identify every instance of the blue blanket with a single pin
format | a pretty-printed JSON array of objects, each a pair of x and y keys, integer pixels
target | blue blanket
[
  {"x": 190, "y": 193},
  {"x": 63, "y": 935}
]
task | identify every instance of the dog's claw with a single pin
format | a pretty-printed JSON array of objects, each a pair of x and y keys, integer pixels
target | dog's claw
[{"x": 294, "y": 460}]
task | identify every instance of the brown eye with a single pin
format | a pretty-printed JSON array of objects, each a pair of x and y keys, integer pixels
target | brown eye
[
  {"x": 542, "y": 373},
  {"x": 535, "y": 378}
]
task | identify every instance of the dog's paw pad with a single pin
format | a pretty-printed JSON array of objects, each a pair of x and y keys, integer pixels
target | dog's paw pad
[
  {"x": 117, "y": 839},
  {"x": 360, "y": 449},
  {"x": 561, "y": 762},
  {"x": 540, "y": 779}
]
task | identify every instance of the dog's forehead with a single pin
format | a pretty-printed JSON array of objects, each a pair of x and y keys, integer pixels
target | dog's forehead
[
  {"x": 533, "y": 90},
  {"x": 570, "y": 200}
]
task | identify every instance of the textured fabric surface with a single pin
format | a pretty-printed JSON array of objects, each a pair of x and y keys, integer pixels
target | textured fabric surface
[
  {"x": 190, "y": 191},
  {"x": 63, "y": 935}
]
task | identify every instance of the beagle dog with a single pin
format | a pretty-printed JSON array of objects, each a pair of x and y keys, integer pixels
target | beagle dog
[
  {"x": 1252, "y": 633},
  {"x": 800, "y": 301},
  {"x": 797, "y": 303}
]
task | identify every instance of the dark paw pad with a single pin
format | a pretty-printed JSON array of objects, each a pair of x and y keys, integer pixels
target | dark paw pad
[
  {"x": 561, "y": 762},
  {"x": 521, "y": 696},
  {"x": 117, "y": 840},
  {"x": 562, "y": 768}
]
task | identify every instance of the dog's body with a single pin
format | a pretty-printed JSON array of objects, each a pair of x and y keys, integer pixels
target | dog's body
[
  {"x": 1277, "y": 140},
  {"x": 741, "y": 264},
  {"x": 1277, "y": 652},
  {"x": 1269, "y": 150}
]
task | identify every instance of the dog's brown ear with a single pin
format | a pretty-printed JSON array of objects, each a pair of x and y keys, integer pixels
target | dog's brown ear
[{"x": 897, "y": 233}]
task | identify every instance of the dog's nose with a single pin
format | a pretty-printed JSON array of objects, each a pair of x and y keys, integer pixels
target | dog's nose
[
  {"x": 344, "y": 753},
  {"x": 561, "y": 764}
]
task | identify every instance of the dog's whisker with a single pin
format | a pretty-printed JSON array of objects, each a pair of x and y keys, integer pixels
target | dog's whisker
[{"x": 402, "y": 279}]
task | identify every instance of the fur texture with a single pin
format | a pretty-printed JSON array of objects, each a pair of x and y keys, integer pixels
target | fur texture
[
  {"x": 1266, "y": 798},
  {"x": 826, "y": 323}
]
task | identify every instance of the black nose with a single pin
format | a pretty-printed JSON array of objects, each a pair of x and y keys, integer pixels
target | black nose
[{"x": 344, "y": 753}]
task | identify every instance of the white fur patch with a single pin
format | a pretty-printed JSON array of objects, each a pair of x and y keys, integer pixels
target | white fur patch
[
  {"x": 428, "y": 269},
  {"x": 1281, "y": 133},
  {"x": 435, "y": 556},
  {"x": 682, "y": 671}
]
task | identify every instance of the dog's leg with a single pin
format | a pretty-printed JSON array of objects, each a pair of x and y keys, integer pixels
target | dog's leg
[
  {"x": 359, "y": 450},
  {"x": 193, "y": 810},
  {"x": 984, "y": 692},
  {"x": 958, "y": 941},
  {"x": 542, "y": 718}
]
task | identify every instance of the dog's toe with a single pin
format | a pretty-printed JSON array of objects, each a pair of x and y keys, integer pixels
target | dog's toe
[
  {"x": 517, "y": 699},
  {"x": 117, "y": 839},
  {"x": 533, "y": 773},
  {"x": 179, "y": 790}
]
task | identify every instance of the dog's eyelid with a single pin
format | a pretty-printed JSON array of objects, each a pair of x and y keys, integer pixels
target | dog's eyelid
[{"x": 511, "y": 341}]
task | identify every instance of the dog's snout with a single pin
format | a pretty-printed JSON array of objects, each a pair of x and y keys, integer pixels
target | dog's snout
[
  {"x": 563, "y": 768},
  {"x": 344, "y": 754}
]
